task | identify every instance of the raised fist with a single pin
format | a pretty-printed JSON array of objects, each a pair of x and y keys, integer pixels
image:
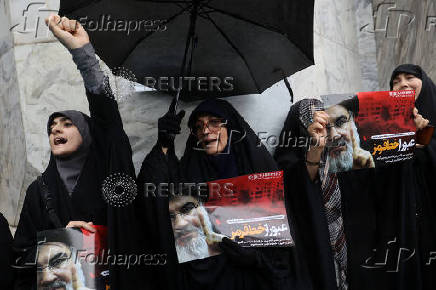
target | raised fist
[
  {"x": 318, "y": 129},
  {"x": 69, "y": 32}
]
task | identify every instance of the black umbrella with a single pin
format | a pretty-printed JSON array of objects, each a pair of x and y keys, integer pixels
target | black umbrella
[{"x": 229, "y": 47}]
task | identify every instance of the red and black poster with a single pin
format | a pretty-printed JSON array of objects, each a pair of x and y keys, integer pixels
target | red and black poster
[
  {"x": 368, "y": 129},
  {"x": 250, "y": 209},
  {"x": 386, "y": 126},
  {"x": 71, "y": 258},
  {"x": 247, "y": 209}
]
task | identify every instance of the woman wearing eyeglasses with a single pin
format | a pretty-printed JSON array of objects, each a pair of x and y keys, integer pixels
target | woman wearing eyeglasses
[{"x": 221, "y": 145}]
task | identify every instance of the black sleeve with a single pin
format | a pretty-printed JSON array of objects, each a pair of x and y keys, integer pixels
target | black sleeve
[
  {"x": 427, "y": 156},
  {"x": 153, "y": 214},
  {"x": 158, "y": 167},
  {"x": 108, "y": 134},
  {"x": 25, "y": 242},
  {"x": 104, "y": 109},
  {"x": 305, "y": 209},
  {"x": 6, "y": 276}
]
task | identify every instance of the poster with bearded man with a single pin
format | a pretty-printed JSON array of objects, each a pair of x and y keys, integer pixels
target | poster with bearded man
[
  {"x": 72, "y": 259},
  {"x": 247, "y": 209},
  {"x": 363, "y": 130}
]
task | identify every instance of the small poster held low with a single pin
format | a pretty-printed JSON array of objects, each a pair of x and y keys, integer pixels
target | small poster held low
[
  {"x": 247, "y": 209},
  {"x": 253, "y": 214},
  {"x": 72, "y": 259}
]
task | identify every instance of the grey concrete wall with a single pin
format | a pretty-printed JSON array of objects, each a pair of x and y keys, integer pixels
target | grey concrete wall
[
  {"x": 405, "y": 32},
  {"x": 48, "y": 81},
  {"x": 13, "y": 167}
]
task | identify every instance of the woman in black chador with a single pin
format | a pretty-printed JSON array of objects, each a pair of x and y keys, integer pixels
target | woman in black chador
[
  {"x": 221, "y": 145},
  {"x": 389, "y": 212},
  {"x": 385, "y": 216},
  {"x": 84, "y": 152}
]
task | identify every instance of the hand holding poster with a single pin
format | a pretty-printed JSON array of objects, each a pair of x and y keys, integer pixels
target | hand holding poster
[
  {"x": 247, "y": 209},
  {"x": 366, "y": 130}
]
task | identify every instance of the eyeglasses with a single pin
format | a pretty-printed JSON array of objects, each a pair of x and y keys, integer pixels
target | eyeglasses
[
  {"x": 339, "y": 122},
  {"x": 213, "y": 125},
  {"x": 184, "y": 211},
  {"x": 54, "y": 264}
]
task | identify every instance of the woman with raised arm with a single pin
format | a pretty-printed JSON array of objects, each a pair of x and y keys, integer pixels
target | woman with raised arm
[{"x": 85, "y": 151}]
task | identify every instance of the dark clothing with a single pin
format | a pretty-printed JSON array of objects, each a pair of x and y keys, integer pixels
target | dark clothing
[
  {"x": 244, "y": 149},
  {"x": 278, "y": 269},
  {"x": 304, "y": 200},
  {"x": 6, "y": 277},
  {"x": 392, "y": 215},
  {"x": 109, "y": 153},
  {"x": 388, "y": 214}
]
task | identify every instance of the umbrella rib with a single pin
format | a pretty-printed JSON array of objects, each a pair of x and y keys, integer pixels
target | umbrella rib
[
  {"x": 236, "y": 49},
  {"x": 244, "y": 19}
]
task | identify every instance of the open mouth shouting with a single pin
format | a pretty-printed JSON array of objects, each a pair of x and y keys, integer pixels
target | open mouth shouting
[{"x": 59, "y": 141}]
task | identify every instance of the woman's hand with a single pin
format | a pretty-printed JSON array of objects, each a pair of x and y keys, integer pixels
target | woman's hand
[
  {"x": 69, "y": 32},
  {"x": 169, "y": 126},
  {"x": 420, "y": 121},
  {"x": 318, "y": 133},
  {"x": 318, "y": 130},
  {"x": 81, "y": 224}
]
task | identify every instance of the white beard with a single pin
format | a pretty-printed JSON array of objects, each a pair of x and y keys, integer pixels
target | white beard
[
  {"x": 344, "y": 161},
  {"x": 196, "y": 248}
]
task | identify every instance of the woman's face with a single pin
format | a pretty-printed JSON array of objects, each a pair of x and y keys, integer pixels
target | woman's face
[
  {"x": 64, "y": 138},
  {"x": 405, "y": 81},
  {"x": 211, "y": 134}
]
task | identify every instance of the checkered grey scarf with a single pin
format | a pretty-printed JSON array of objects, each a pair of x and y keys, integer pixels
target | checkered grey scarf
[{"x": 332, "y": 199}]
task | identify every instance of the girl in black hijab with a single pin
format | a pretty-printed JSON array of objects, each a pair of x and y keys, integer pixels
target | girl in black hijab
[
  {"x": 208, "y": 156},
  {"x": 85, "y": 151}
]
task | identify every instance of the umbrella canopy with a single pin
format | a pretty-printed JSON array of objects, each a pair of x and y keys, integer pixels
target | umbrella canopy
[{"x": 230, "y": 47}]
